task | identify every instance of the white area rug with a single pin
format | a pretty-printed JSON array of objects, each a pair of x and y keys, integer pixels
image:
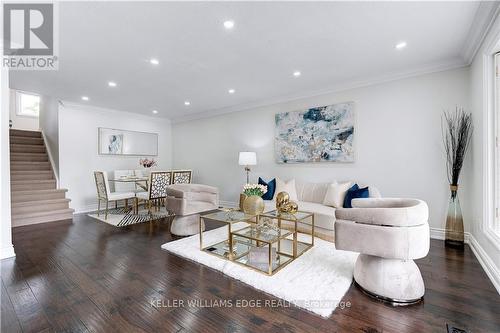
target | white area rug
[{"x": 316, "y": 281}]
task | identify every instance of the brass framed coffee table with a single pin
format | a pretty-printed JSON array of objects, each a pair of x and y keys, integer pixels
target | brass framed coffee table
[{"x": 264, "y": 247}]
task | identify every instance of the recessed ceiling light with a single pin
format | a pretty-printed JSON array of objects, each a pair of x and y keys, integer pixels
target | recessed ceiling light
[
  {"x": 85, "y": 98},
  {"x": 231, "y": 91},
  {"x": 187, "y": 103},
  {"x": 155, "y": 111},
  {"x": 229, "y": 24},
  {"x": 401, "y": 45},
  {"x": 112, "y": 84},
  {"x": 297, "y": 73},
  {"x": 154, "y": 61}
]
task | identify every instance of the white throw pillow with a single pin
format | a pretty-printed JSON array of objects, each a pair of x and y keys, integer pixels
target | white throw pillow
[
  {"x": 288, "y": 187},
  {"x": 335, "y": 194}
]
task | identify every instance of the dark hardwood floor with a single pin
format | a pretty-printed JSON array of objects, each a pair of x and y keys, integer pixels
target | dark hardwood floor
[{"x": 84, "y": 275}]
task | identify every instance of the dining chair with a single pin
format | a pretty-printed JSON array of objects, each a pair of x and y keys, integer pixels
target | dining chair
[
  {"x": 104, "y": 194},
  {"x": 182, "y": 176},
  {"x": 157, "y": 189}
]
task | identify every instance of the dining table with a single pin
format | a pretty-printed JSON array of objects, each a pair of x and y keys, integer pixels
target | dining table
[{"x": 141, "y": 182}]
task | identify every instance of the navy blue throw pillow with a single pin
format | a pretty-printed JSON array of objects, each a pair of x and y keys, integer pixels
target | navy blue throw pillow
[
  {"x": 353, "y": 193},
  {"x": 271, "y": 187}
]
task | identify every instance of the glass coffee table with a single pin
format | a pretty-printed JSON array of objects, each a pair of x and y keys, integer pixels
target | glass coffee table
[
  {"x": 262, "y": 244},
  {"x": 297, "y": 247},
  {"x": 257, "y": 248},
  {"x": 229, "y": 217}
]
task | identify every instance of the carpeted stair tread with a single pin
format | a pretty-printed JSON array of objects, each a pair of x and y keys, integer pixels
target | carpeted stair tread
[
  {"x": 29, "y": 157},
  {"x": 21, "y": 196},
  {"x": 14, "y": 139},
  {"x": 31, "y": 175},
  {"x": 42, "y": 216},
  {"x": 25, "y": 133}
]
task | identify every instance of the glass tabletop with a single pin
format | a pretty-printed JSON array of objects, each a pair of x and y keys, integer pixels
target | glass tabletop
[
  {"x": 129, "y": 179},
  {"x": 286, "y": 216},
  {"x": 229, "y": 216},
  {"x": 263, "y": 235}
]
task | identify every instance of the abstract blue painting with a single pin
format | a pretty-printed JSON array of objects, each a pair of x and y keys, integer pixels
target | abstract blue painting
[{"x": 321, "y": 134}]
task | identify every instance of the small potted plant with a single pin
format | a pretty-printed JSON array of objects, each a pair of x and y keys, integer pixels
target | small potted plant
[
  {"x": 147, "y": 163},
  {"x": 254, "y": 204}
]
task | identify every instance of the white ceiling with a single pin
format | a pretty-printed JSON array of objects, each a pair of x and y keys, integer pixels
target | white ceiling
[{"x": 334, "y": 45}]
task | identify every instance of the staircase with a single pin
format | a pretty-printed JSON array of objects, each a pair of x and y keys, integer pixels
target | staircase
[{"x": 35, "y": 197}]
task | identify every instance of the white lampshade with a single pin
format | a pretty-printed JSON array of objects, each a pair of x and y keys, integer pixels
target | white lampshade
[{"x": 247, "y": 158}]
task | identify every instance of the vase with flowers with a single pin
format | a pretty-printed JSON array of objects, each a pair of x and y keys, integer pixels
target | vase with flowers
[
  {"x": 457, "y": 134},
  {"x": 147, "y": 163},
  {"x": 253, "y": 203}
]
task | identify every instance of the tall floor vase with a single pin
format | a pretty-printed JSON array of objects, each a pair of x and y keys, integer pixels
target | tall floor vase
[{"x": 454, "y": 234}]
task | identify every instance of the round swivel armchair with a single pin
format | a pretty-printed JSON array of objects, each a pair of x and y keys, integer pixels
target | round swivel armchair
[
  {"x": 389, "y": 233},
  {"x": 187, "y": 201}
]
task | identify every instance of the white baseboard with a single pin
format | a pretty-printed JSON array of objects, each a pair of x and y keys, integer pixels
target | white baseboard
[
  {"x": 7, "y": 252},
  {"x": 85, "y": 209},
  {"x": 439, "y": 233},
  {"x": 488, "y": 265}
]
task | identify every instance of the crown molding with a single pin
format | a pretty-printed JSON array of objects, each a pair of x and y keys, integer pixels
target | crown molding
[
  {"x": 353, "y": 84},
  {"x": 486, "y": 14}
]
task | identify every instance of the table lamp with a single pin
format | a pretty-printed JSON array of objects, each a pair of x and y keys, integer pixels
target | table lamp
[{"x": 247, "y": 158}]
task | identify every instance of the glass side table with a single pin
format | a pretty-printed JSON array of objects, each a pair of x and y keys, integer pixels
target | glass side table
[
  {"x": 297, "y": 247},
  {"x": 229, "y": 217},
  {"x": 260, "y": 248}
]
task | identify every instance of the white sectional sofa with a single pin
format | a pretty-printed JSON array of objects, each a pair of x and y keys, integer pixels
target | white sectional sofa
[{"x": 310, "y": 199}]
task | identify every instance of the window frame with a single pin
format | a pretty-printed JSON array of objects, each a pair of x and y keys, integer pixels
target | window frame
[
  {"x": 19, "y": 94},
  {"x": 491, "y": 153},
  {"x": 494, "y": 127}
]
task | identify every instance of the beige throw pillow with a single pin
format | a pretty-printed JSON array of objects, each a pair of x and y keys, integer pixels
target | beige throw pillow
[
  {"x": 288, "y": 187},
  {"x": 335, "y": 194}
]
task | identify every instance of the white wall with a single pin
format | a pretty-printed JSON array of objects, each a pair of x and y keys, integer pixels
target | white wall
[
  {"x": 21, "y": 122},
  {"x": 6, "y": 248},
  {"x": 398, "y": 141},
  {"x": 49, "y": 124},
  {"x": 78, "y": 142},
  {"x": 487, "y": 250}
]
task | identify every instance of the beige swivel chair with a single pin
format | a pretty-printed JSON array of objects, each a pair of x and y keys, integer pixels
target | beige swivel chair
[
  {"x": 187, "y": 201},
  {"x": 389, "y": 234}
]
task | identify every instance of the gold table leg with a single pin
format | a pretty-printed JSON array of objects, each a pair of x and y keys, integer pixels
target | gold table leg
[
  {"x": 270, "y": 271},
  {"x": 312, "y": 234},
  {"x": 279, "y": 241},
  {"x": 201, "y": 234},
  {"x": 295, "y": 240},
  {"x": 230, "y": 240}
]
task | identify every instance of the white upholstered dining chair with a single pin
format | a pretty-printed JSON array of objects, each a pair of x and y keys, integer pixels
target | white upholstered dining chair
[{"x": 104, "y": 193}]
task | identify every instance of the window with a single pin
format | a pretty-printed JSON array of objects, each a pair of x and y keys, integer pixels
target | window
[
  {"x": 27, "y": 105},
  {"x": 495, "y": 127}
]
